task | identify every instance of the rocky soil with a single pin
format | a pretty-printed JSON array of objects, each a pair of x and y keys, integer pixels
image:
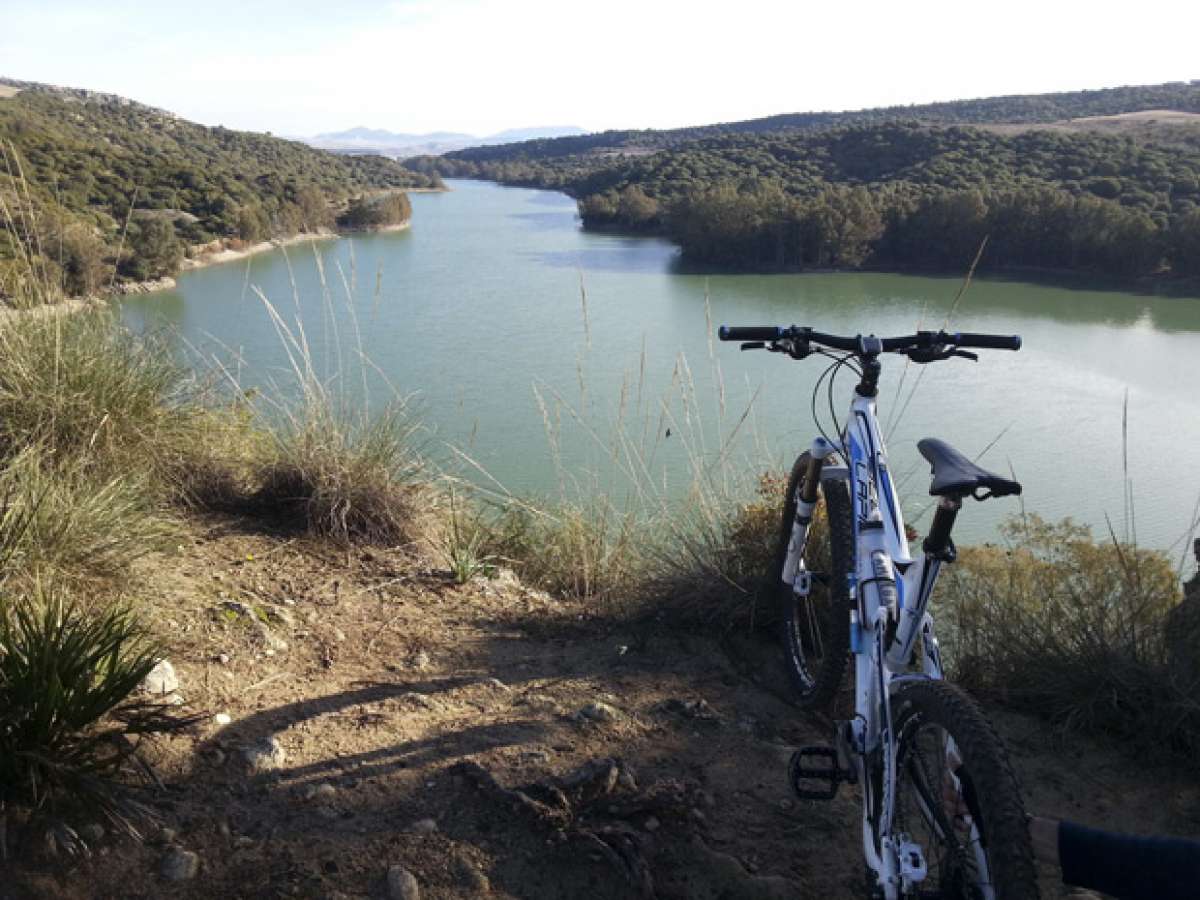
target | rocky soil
[{"x": 373, "y": 730}]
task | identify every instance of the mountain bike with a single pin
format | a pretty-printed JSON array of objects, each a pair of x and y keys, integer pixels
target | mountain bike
[{"x": 942, "y": 813}]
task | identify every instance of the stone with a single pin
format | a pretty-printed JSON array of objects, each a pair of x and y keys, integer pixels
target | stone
[
  {"x": 161, "y": 680},
  {"x": 599, "y": 711},
  {"x": 402, "y": 884},
  {"x": 497, "y": 684},
  {"x": 92, "y": 833},
  {"x": 273, "y": 642},
  {"x": 179, "y": 865},
  {"x": 265, "y": 755},
  {"x": 222, "y": 719},
  {"x": 652, "y": 824},
  {"x": 415, "y": 699},
  {"x": 468, "y": 875},
  {"x": 420, "y": 661},
  {"x": 423, "y": 826},
  {"x": 324, "y": 791},
  {"x": 283, "y": 616},
  {"x": 223, "y": 658}
]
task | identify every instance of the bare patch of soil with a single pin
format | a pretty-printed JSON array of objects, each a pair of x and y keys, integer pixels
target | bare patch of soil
[{"x": 494, "y": 741}]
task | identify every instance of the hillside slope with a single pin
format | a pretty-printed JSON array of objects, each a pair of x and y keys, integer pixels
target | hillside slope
[
  {"x": 87, "y": 162},
  {"x": 1115, "y": 192}
]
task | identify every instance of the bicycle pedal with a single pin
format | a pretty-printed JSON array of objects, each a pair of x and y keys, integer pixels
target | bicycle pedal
[{"x": 815, "y": 773}]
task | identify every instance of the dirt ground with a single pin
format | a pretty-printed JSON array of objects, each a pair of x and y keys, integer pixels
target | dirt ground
[{"x": 405, "y": 709}]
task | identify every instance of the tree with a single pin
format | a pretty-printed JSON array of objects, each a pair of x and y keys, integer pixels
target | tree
[
  {"x": 155, "y": 251},
  {"x": 253, "y": 225}
]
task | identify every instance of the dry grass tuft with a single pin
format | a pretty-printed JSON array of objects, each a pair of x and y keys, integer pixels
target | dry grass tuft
[
  {"x": 1073, "y": 629},
  {"x": 346, "y": 477}
]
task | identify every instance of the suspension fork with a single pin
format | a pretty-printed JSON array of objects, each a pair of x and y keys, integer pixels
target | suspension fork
[{"x": 794, "y": 571}]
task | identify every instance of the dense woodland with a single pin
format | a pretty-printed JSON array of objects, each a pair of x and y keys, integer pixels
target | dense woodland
[
  {"x": 888, "y": 192},
  {"x": 105, "y": 183}
]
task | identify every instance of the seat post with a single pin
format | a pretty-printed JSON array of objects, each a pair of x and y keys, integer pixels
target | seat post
[{"x": 938, "y": 543}]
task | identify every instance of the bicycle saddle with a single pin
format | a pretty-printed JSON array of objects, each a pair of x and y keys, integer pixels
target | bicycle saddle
[{"x": 956, "y": 476}]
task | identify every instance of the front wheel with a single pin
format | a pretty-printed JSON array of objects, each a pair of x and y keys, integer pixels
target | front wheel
[
  {"x": 958, "y": 799},
  {"x": 816, "y": 627}
]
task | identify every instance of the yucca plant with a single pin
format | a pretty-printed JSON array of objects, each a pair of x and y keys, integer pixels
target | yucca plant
[{"x": 69, "y": 731}]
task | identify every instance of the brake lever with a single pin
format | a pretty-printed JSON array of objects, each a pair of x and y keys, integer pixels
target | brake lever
[
  {"x": 754, "y": 345},
  {"x": 924, "y": 355}
]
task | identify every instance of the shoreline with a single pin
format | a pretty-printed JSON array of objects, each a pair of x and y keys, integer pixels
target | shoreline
[
  {"x": 228, "y": 255},
  {"x": 215, "y": 257}
]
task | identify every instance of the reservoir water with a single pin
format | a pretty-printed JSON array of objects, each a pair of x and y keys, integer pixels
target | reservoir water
[{"x": 529, "y": 345}]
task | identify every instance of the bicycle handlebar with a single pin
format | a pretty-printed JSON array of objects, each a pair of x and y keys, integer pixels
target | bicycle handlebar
[{"x": 858, "y": 343}]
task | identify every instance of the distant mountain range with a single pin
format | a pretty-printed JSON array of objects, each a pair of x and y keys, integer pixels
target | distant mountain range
[{"x": 391, "y": 143}]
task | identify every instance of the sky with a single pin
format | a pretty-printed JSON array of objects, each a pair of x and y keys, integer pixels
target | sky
[{"x": 302, "y": 67}]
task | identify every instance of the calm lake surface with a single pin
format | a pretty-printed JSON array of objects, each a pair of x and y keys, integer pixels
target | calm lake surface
[{"x": 477, "y": 310}]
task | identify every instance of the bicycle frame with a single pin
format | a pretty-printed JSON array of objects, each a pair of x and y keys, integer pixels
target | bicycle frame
[{"x": 889, "y": 592}]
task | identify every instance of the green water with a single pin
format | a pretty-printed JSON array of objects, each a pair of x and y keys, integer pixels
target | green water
[{"x": 477, "y": 310}]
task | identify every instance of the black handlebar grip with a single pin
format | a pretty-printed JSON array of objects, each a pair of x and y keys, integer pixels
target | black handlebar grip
[
  {"x": 989, "y": 341},
  {"x": 750, "y": 332}
]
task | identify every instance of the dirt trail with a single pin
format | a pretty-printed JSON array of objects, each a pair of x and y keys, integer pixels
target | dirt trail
[{"x": 390, "y": 714}]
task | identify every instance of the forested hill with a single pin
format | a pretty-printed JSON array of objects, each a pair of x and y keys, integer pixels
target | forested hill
[
  {"x": 895, "y": 192},
  {"x": 87, "y": 157},
  {"x": 1016, "y": 109}
]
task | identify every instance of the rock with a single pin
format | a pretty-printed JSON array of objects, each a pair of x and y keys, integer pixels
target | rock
[
  {"x": 423, "y": 826},
  {"x": 595, "y": 778},
  {"x": 265, "y": 755},
  {"x": 161, "y": 680},
  {"x": 269, "y": 639},
  {"x": 167, "y": 835},
  {"x": 652, "y": 824},
  {"x": 420, "y": 661},
  {"x": 598, "y": 711},
  {"x": 414, "y": 699},
  {"x": 223, "y": 658},
  {"x": 402, "y": 884},
  {"x": 626, "y": 779},
  {"x": 535, "y": 756},
  {"x": 468, "y": 875},
  {"x": 222, "y": 719},
  {"x": 282, "y": 615},
  {"x": 325, "y": 791},
  {"x": 497, "y": 684},
  {"x": 179, "y": 865},
  {"x": 339, "y": 635},
  {"x": 92, "y": 833},
  {"x": 694, "y": 709}
]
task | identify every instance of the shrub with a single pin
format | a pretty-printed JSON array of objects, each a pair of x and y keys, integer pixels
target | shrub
[
  {"x": 68, "y": 730},
  {"x": 1072, "y": 629}
]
